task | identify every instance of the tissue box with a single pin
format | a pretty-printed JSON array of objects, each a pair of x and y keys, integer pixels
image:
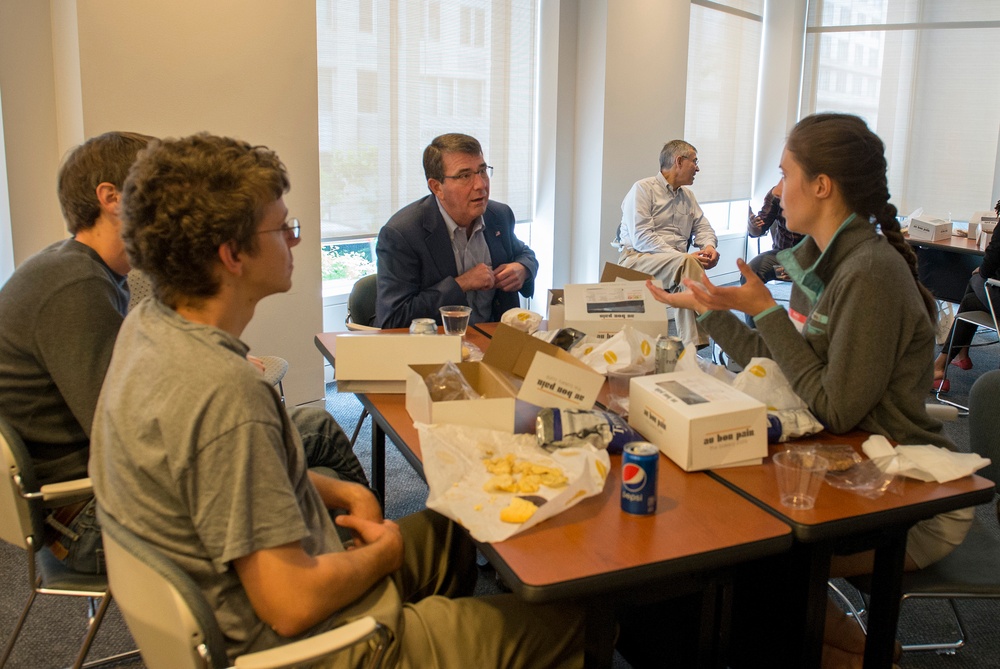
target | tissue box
[
  {"x": 698, "y": 421},
  {"x": 929, "y": 229}
]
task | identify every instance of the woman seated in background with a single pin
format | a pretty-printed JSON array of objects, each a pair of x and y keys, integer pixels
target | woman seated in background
[
  {"x": 857, "y": 341},
  {"x": 973, "y": 300}
]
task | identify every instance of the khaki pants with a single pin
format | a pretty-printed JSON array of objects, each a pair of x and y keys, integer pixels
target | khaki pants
[{"x": 671, "y": 269}]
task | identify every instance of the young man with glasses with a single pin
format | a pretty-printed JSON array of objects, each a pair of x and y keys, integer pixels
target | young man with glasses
[
  {"x": 206, "y": 465},
  {"x": 661, "y": 220},
  {"x": 454, "y": 246}
]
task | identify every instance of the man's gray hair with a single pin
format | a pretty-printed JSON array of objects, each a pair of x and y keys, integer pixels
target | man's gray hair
[
  {"x": 673, "y": 149},
  {"x": 450, "y": 143}
]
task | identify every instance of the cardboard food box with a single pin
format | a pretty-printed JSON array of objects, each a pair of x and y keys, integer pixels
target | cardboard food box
[
  {"x": 555, "y": 312},
  {"x": 602, "y": 309},
  {"x": 929, "y": 229},
  {"x": 698, "y": 421},
  {"x": 518, "y": 374},
  {"x": 613, "y": 272},
  {"x": 987, "y": 219},
  {"x": 379, "y": 363},
  {"x": 984, "y": 238}
]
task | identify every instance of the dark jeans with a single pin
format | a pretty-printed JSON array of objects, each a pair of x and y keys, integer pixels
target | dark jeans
[{"x": 974, "y": 300}]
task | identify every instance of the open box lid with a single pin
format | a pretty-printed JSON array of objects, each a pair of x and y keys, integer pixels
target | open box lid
[
  {"x": 552, "y": 377},
  {"x": 613, "y": 272}
]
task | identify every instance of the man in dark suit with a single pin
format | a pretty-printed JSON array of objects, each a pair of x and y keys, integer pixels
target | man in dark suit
[{"x": 453, "y": 246}]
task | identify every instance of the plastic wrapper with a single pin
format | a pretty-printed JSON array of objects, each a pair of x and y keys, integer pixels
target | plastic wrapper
[
  {"x": 455, "y": 459},
  {"x": 448, "y": 384},
  {"x": 564, "y": 428},
  {"x": 788, "y": 416},
  {"x": 848, "y": 470}
]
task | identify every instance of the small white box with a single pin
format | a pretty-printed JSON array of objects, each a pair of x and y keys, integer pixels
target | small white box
[
  {"x": 987, "y": 219},
  {"x": 929, "y": 229},
  {"x": 555, "y": 314},
  {"x": 602, "y": 309},
  {"x": 518, "y": 374},
  {"x": 984, "y": 239},
  {"x": 379, "y": 363},
  {"x": 698, "y": 421}
]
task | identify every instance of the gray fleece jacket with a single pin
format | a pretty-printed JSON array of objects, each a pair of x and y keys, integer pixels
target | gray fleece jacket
[{"x": 856, "y": 343}]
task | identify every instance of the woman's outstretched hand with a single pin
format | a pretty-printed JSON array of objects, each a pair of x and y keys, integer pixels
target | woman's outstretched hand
[{"x": 751, "y": 298}]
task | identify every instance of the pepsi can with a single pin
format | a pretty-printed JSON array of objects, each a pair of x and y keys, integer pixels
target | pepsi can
[{"x": 640, "y": 460}]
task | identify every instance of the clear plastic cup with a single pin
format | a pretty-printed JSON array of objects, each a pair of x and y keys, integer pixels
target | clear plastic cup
[
  {"x": 800, "y": 475},
  {"x": 455, "y": 319}
]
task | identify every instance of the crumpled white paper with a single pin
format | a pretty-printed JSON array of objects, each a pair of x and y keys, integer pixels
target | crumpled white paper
[
  {"x": 453, "y": 464},
  {"x": 924, "y": 463}
]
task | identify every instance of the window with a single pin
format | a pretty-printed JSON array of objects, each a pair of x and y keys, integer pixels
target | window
[
  {"x": 406, "y": 72},
  {"x": 925, "y": 85},
  {"x": 723, "y": 60}
]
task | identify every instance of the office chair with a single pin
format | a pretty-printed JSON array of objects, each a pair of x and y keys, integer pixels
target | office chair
[
  {"x": 361, "y": 304},
  {"x": 970, "y": 571},
  {"x": 23, "y": 507},
  {"x": 176, "y": 628},
  {"x": 981, "y": 319},
  {"x": 361, "y": 317},
  {"x": 275, "y": 368}
]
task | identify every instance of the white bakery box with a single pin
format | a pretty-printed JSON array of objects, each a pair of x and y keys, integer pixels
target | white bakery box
[
  {"x": 378, "y": 363},
  {"x": 595, "y": 326},
  {"x": 929, "y": 229},
  {"x": 698, "y": 421},
  {"x": 518, "y": 374}
]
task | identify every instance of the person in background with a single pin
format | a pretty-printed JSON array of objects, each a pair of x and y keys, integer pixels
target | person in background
[
  {"x": 974, "y": 300},
  {"x": 206, "y": 465},
  {"x": 454, "y": 246},
  {"x": 859, "y": 361},
  {"x": 766, "y": 265},
  {"x": 59, "y": 315},
  {"x": 661, "y": 219}
]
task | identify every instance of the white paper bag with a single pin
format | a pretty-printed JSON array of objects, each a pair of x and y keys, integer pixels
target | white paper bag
[{"x": 456, "y": 473}]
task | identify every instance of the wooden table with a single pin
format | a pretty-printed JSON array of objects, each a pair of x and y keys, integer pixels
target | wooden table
[
  {"x": 846, "y": 522},
  {"x": 596, "y": 553},
  {"x": 945, "y": 266}
]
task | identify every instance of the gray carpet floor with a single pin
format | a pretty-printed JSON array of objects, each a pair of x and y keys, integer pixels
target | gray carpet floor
[{"x": 56, "y": 625}]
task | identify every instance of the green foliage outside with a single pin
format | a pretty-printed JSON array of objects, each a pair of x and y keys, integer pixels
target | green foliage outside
[{"x": 345, "y": 265}]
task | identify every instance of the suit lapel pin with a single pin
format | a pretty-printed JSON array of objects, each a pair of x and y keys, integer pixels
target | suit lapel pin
[{"x": 496, "y": 233}]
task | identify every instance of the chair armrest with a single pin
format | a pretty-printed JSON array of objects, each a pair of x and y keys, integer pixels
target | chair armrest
[
  {"x": 357, "y": 327},
  {"x": 79, "y": 488},
  {"x": 312, "y": 648}
]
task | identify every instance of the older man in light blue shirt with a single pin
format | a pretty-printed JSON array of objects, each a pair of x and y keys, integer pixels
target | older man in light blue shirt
[{"x": 660, "y": 221}]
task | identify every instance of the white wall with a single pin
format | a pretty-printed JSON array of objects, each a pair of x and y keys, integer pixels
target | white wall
[
  {"x": 233, "y": 67},
  {"x": 29, "y": 125}
]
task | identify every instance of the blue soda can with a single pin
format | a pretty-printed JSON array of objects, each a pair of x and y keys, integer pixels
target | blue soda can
[{"x": 640, "y": 460}]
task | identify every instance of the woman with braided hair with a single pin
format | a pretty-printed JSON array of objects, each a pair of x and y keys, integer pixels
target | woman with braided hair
[{"x": 857, "y": 343}]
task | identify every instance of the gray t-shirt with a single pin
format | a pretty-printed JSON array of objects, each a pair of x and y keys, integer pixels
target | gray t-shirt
[
  {"x": 192, "y": 450},
  {"x": 59, "y": 315}
]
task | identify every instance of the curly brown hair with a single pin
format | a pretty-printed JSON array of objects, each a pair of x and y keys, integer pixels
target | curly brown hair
[
  {"x": 102, "y": 159},
  {"x": 842, "y": 147},
  {"x": 186, "y": 197}
]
